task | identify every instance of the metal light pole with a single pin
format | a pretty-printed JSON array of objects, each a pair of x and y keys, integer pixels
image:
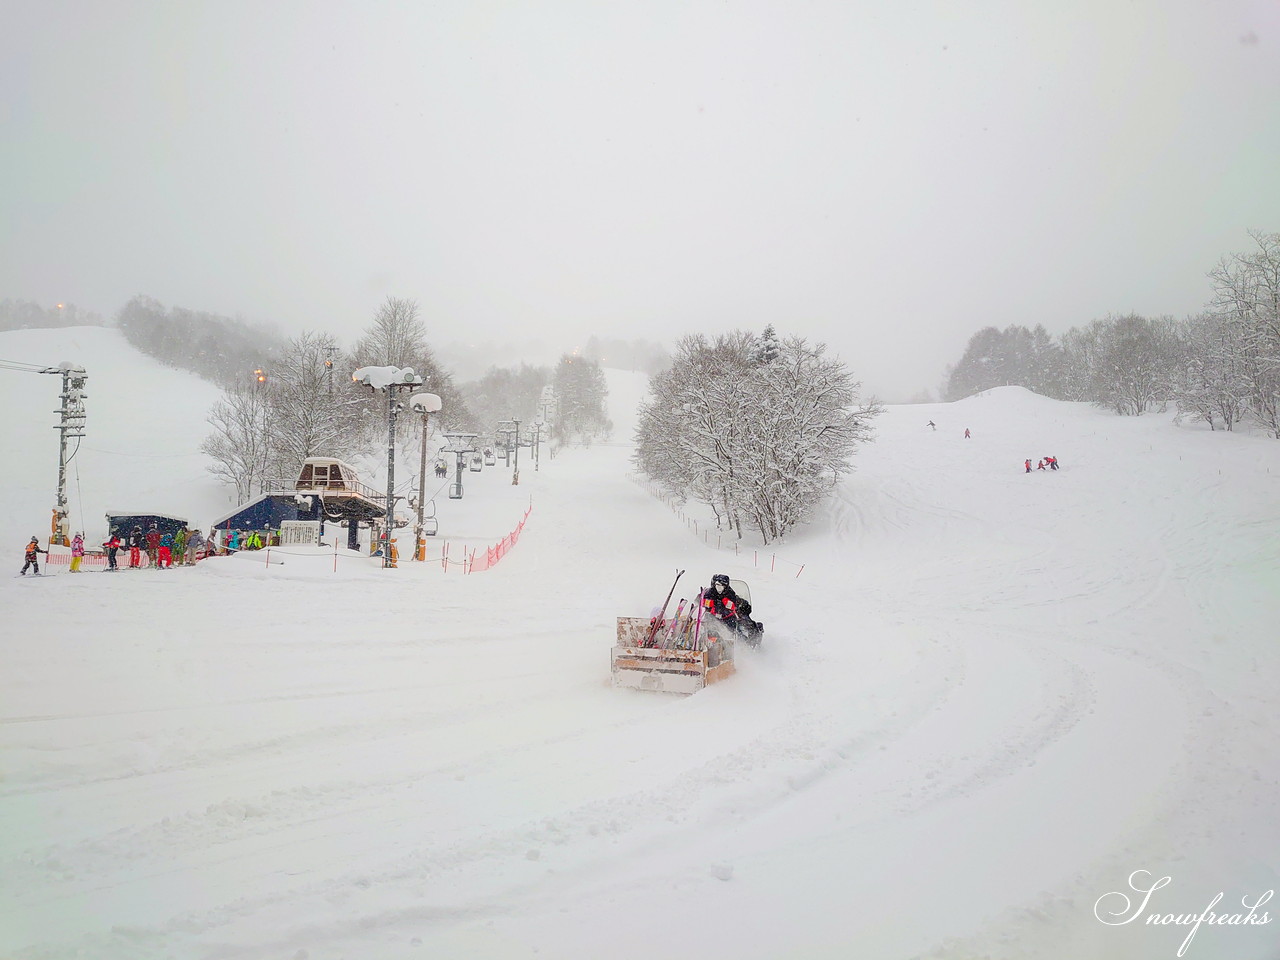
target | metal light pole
[
  {"x": 515, "y": 472},
  {"x": 390, "y": 379},
  {"x": 424, "y": 403},
  {"x": 261, "y": 376}
]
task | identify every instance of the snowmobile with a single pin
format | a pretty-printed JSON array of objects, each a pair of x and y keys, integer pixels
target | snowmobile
[{"x": 679, "y": 654}]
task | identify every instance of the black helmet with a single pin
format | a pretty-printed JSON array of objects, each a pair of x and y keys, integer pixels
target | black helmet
[{"x": 720, "y": 578}]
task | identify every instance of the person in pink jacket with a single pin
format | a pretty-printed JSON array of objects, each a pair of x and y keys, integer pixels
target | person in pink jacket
[{"x": 77, "y": 552}]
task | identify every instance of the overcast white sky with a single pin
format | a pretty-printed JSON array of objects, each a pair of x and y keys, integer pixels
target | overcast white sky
[{"x": 887, "y": 177}]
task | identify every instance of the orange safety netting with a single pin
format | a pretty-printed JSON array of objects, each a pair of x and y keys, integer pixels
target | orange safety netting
[{"x": 486, "y": 558}]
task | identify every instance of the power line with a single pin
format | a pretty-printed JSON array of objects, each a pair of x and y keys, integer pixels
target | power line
[{"x": 24, "y": 367}]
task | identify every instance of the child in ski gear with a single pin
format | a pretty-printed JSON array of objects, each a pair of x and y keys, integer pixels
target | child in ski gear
[
  {"x": 966, "y": 433},
  {"x": 1028, "y": 465},
  {"x": 933, "y": 425},
  {"x": 720, "y": 601},
  {"x": 1052, "y": 462},
  {"x": 111, "y": 545},
  {"x": 136, "y": 543},
  {"x": 153, "y": 544},
  {"x": 180, "y": 545},
  {"x": 77, "y": 552},
  {"x": 165, "y": 550},
  {"x": 195, "y": 544},
  {"x": 1040, "y": 465},
  {"x": 32, "y": 558},
  {"x": 233, "y": 542}
]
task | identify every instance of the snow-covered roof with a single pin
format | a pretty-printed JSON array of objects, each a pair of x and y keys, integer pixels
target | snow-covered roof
[
  {"x": 145, "y": 513},
  {"x": 330, "y": 460},
  {"x": 243, "y": 507}
]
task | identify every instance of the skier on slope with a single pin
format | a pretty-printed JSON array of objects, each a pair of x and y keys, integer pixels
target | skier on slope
[
  {"x": 720, "y": 601},
  {"x": 32, "y": 556},
  {"x": 164, "y": 555},
  {"x": 112, "y": 546}
]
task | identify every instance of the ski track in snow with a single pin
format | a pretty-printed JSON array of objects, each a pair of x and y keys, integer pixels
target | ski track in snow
[{"x": 989, "y": 698}]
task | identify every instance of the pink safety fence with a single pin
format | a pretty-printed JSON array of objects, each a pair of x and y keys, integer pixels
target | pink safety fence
[
  {"x": 63, "y": 558},
  {"x": 486, "y": 558}
]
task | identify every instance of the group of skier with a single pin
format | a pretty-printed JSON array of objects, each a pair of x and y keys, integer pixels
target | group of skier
[
  {"x": 162, "y": 548},
  {"x": 1046, "y": 463}
]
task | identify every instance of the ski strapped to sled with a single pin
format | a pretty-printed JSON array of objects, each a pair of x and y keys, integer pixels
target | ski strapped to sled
[{"x": 680, "y": 655}]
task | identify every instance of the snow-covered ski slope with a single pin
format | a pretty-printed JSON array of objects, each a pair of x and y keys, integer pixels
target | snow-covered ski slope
[{"x": 986, "y": 702}]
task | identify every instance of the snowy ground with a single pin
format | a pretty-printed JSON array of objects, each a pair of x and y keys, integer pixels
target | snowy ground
[{"x": 987, "y": 701}]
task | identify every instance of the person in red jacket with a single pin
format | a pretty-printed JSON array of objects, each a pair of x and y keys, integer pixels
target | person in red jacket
[
  {"x": 153, "y": 544},
  {"x": 111, "y": 545},
  {"x": 720, "y": 601},
  {"x": 136, "y": 542},
  {"x": 1027, "y": 464}
]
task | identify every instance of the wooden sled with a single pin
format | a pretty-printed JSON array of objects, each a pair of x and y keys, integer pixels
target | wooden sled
[{"x": 676, "y": 666}]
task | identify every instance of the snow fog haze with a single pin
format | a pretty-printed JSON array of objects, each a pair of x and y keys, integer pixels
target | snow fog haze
[{"x": 991, "y": 707}]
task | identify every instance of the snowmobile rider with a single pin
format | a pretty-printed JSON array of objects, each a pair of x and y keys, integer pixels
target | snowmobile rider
[{"x": 725, "y": 605}]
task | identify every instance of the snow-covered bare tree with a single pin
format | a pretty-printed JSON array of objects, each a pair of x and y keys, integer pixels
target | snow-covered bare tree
[
  {"x": 397, "y": 337},
  {"x": 309, "y": 415},
  {"x": 1247, "y": 296},
  {"x": 761, "y": 444},
  {"x": 240, "y": 445},
  {"x": 1212, "y": 385},
  {"x": 1129, "y": 364}
]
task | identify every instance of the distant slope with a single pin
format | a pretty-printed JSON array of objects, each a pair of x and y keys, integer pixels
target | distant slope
[
  {"x": 626, "y": 391},
  {"x": 141, "y": 449}
]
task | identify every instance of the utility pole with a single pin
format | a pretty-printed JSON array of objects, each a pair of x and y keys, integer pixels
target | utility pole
[
  {"x": 71, "y": 425},
  {"x": 537, "y": 446},
  {"x": 328, "y": 368}
]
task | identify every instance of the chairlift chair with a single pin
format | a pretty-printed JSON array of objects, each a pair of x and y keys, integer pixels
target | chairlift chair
[{"x": 455, "y": 491}]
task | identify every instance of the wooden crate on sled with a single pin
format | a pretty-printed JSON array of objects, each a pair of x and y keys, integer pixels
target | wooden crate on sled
[{"x": 692, "y": 659}]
